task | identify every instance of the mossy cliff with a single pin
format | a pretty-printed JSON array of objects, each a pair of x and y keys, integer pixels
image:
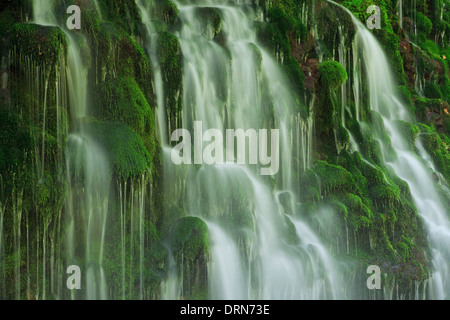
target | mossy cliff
[{"x": 364, "y": 213}]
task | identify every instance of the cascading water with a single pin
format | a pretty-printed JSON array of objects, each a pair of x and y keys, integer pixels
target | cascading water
[
  {"x": 415, "y": 171},
  {"x": 233, "y": 86},
  {"x": 88, "y": 172}
]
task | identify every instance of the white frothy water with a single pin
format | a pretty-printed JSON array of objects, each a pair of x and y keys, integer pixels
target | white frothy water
[{"x": 239, "y": 85}]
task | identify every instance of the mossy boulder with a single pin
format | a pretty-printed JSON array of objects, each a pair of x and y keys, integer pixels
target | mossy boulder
[
  {"x": 189, "y": 238},
  {"x": 333, "y": 74}
]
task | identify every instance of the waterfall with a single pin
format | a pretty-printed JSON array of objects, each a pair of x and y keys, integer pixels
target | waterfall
[
  {"x": 259, "y": 249},
  {"x": 415, "y": 171},
  {"x": 86, "y": 163}
]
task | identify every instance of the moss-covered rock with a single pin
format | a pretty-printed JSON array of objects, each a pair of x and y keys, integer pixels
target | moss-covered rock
[
  {"x": 125, "y": 149},
  {"x": 123, "y": 100},
  {"x": 333, "y": 75}
]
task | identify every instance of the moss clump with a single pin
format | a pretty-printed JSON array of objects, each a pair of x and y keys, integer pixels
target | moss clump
[
  {"x": 124, "y": 147},
  {"x": 190, "y": 239},
  {"x": 333, "y": 178},
  {"x": 123, "y": 100},
  {"x": 333, "y": 74},
  {"x": 360, "y": 215}
]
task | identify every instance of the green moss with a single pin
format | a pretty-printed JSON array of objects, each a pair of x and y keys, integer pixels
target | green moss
[
  {"x": 421, "y": 106},
  {"x": 290, "y": 232},
  {"x": 410, "y": 132},
  {"x": 283, "y": 27},
  {"x": 167, "y": 11},
  {"x": 169, "y": 56},
  {"x": 16, "y": 140},
  {"x": 189, "y": 239},
  {"x": 212, "y": 19},
  {"x": 360, "y": 215},
  {"x": 390, "y": 43},
  {"x": 296, "y": 77},
  {"x": 42, "y": 43},
  {"x": 423, "y": 23},
  {"x": 124, "y": 13},
  {"x": 333, "y": 75},
  {"x": 124, "y": 147},
  {"x": 309, "y": 186},
  {"x": 432, "y": 91},
  {"x": 438, "y": 148},
  {"x": 334, "y": 178},
  {"x": 6, "y": 22},
  {"x": 405, "y": 94},
  {"x": 123, "y": 100}
]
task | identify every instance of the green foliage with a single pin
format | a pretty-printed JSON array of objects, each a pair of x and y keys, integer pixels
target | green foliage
[{"x": 333, "y": 74}]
